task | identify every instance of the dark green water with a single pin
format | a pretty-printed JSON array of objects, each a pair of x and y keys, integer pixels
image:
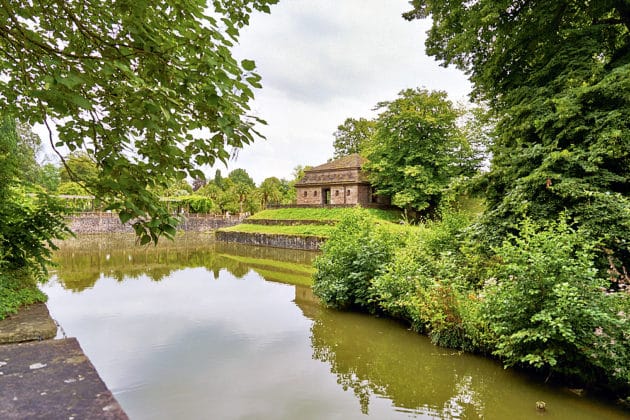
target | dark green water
[{"x": 200, "y": 330}]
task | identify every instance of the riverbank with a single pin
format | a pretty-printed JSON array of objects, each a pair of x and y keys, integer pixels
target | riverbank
[
  {"x": 104, "y": 222},
  {"x": 41, "y": 377},
  {"x": 293, "y": 228}
]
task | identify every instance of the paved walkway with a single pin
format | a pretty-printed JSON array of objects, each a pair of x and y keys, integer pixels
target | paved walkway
[{"x": 50, "y": 379}]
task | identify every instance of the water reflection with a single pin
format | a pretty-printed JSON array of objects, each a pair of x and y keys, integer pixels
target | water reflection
[
  {"x": 81, "y": 262},
  {"x": 380, "y": 358},
  {"x": 191, "y": 329}
]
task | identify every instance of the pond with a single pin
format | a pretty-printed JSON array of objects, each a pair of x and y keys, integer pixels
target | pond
[{"x": 196, "y": 329}]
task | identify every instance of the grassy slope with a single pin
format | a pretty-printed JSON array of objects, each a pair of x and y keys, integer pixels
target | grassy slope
[{"x": 320, "y": 214}]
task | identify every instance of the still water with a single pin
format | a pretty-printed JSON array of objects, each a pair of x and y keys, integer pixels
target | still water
[{"x": 200, "y": 330}]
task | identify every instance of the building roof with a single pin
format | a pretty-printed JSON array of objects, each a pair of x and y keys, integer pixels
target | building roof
[
  {"x": 345, "y": 170},
  {"x": 353, "y": 161}
]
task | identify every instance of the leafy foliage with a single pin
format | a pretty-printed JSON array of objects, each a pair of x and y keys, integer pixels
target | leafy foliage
[
  {"x": 415, "y": 149},
  {"x": 548, "y": 308},
  {"x": 352, "y": 136},
  {"x": 149, "y": 90},
  {"x": 541, "y": 302},
  {"x": 29, "y": 222},
  {"x": 352, "y": 255},
  {"x": 18, "y": 288},
  {"x": 556, "y": 76}
]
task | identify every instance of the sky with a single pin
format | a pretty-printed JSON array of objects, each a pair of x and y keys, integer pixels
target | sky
[{"x": 324, "y": 61}]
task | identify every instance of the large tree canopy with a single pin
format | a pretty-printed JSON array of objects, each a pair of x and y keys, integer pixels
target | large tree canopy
[
  {"x": 557, "y": 76},
  {"x": 148, "y": 88},
  {"x": 352, "y": 136},
  {"x": 417, "y": 148}
]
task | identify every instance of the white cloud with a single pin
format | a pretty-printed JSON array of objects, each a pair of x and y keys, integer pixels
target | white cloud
[{"x": 323, "y": 62}]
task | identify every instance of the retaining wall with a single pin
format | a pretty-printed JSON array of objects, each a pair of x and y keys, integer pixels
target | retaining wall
[
  {"x": 309, "y": 243},
  {"x": 110, "y": 223}
]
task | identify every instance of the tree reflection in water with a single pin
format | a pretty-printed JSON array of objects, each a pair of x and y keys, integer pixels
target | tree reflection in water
[
  {"x": 374, "y": 358},
  {"x": 380, "y": 358},
  {"x": 81, "y": 262}
]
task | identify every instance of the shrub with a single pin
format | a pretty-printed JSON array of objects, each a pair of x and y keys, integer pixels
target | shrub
[
  {"x": 18, "y": 288},
  {"x": 421, "y": 284},
  {"x": 354, "y": 253},
  {"x": 548, "y": 308}
]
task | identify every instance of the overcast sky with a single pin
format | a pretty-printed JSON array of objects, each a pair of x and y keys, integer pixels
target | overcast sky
[{"x": 324, "y": 61}]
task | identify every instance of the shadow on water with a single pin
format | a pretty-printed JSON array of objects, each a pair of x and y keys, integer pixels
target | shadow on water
[{"x": 376, "y": 360}]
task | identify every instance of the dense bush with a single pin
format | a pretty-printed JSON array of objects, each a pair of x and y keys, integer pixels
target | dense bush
[
  {"x": 29, "y": 222},
  {"x": 538, "y": 301},
  {"x": 194, "y": 204},
  {"x": 352, "y": 256},
  {"x": 422, "y": 283},
  {"x": 548, "y": 307},
  {"x": 18, "y": 288}
]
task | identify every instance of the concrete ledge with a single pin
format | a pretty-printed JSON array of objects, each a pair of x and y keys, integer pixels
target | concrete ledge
[
  {"x": 52, "y": 379},
  {"x": 309, "y": 243},
  {"x": 32, "y": 322}
]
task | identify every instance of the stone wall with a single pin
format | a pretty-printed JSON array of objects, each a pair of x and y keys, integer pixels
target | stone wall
[
  {"x": 92, "y": 223},
  {"x": 309, "y": 243},
  {"x": 340, "y": 194}
]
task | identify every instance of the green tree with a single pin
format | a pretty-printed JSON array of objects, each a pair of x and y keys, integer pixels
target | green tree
[
  {"x": 556, "y": 75},
  {"x": 352, "y": 135},
  {"x": 416, "y": 148},
  {"x": 149, "y": 89},
  {"x": 270, "y": 191},
  {"x": 29, "y": 222},
  {"x": 28, "y": 148},
  {"x": 218, "y": 178},
  {"x": 79, "y": 167},
  {"x": 49, "y": 177},
  {"x": 240, "y": 176}
]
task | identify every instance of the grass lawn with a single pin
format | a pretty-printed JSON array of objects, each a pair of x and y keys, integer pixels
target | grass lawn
[
  {"x": 16, "y": 290},
  {"x": 323, "y": 213}
]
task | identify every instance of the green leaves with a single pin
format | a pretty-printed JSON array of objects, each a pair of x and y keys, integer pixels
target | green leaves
[
  {"x": 129, "y": 83},
  {"x": 557, "y": 77},
  {"x": 248, "y": 65},
  {"x": 412, "y": 151}
]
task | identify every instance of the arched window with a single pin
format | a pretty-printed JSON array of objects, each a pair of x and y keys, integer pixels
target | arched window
[
  {"x": 305, "y": 193},
  {"x": 314, "y": 193},
  {"x": 347, "y": 192}
]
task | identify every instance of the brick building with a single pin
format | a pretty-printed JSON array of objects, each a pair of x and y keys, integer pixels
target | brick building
[{"x": 339, "y": 182}]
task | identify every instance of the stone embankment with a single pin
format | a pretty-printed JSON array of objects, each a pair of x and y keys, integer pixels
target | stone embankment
[
  {"x": 307, "y": 243},
  {"x": 92, "y": 223},
  {"x": 276, "y": 240},
  {"x": 45, "y": 378}
]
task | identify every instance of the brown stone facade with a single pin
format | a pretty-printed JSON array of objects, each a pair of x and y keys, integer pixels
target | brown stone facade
[{"x": 340, "y": 182}]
